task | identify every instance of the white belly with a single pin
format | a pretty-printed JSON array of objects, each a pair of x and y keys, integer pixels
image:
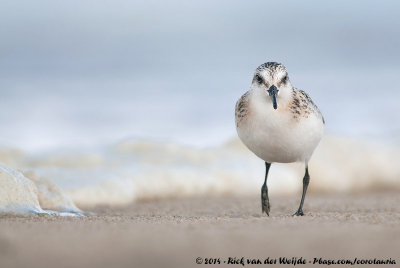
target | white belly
[{"x": 276, "y": 136}]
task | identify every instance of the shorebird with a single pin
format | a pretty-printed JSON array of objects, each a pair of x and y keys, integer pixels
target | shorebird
[{"x": 278, "y": 123}]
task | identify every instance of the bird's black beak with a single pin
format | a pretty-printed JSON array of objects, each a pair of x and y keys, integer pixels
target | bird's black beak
[{"x": 273, "y": 91}]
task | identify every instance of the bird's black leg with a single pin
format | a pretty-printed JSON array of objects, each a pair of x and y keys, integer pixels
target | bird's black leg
[
  {"x": 306, "y": 181},
  {"x": 264, "y": 192}
]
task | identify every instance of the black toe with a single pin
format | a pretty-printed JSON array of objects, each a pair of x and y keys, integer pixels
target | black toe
[{"x": 299, "y": 213}]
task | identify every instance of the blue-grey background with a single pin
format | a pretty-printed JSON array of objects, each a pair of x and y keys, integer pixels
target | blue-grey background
[{"x": 82, "y": 73}]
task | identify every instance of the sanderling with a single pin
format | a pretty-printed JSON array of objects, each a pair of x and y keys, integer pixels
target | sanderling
[{"x": 278, "y": 123}]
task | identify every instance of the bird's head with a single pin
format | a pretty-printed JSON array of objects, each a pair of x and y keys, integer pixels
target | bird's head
[{"x": 272, "y": 79}]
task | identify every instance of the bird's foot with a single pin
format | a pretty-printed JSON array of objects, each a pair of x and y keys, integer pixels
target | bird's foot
[
  {"x": 265, "y": 206},
  {"x": 299, "y": 213}
]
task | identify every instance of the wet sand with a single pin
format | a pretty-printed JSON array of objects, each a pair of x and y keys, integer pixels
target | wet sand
[{"x": 173, "y": 233}]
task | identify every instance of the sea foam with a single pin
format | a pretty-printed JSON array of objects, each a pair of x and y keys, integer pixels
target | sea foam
[
  {"x": 21, "y": 195},
  {"x": 149, "y": 170},
  {"x": 140, "y": 170}
]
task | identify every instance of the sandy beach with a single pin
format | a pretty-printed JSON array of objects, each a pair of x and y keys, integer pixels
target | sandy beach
[{"x": 175, "y": 232}]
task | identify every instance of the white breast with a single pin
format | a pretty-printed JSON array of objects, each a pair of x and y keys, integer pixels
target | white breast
[{"x": 276, "y": 136}]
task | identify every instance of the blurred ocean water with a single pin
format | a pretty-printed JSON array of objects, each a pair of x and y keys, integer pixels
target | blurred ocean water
[{"x": 81, "y": 74}]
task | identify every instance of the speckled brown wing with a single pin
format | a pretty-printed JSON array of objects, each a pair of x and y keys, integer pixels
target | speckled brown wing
[
  {"x": 302, "y": 105},
  {"x": 242, "y": 108}
]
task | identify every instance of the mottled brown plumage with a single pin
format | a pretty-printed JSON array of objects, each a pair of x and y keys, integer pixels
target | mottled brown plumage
[
  {"x": 242, "y": 108},
  {"x": 302, "y": 105}
]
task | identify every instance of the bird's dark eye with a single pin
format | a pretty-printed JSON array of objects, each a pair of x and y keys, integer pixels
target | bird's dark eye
[
  {"x": 259, "y": 79},
  {"x": 284, "y": 79}
]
